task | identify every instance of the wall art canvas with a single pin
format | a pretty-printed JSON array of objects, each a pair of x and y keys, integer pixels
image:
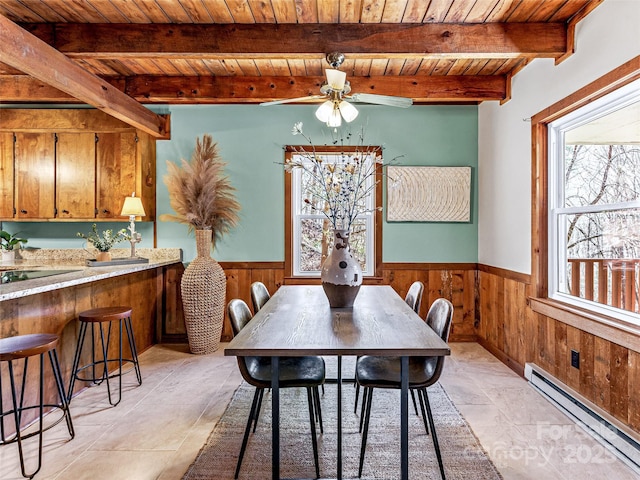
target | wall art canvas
[{"x": 428, "y": 194}]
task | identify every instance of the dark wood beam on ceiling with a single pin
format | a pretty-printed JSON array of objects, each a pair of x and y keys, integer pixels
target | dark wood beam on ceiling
[
  {"x": 212, "y": 90},
  {"x": 29, "y": 54},
  {"x": 501, "y": 40}
]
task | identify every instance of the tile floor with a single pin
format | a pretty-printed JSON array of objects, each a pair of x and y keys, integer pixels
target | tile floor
[{"x": 159, "y": 427}]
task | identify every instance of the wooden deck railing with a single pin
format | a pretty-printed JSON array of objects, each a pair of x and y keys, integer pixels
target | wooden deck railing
[{"x": 606, "y": 281}]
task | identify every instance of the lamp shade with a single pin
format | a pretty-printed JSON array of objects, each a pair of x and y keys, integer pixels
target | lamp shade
[
  {"x": 335, "y": 120},
  {"x": 335, "y": 78},
  {"x": 133, "y": 206},
  {"x": 348, "y": 111},
  {"x": 324, "y": 111}
]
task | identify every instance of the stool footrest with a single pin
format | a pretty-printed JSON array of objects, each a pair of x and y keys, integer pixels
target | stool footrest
[{"x": 14, "y": 438}]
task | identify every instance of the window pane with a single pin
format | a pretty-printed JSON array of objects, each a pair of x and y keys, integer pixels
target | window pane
[
  {"x": 316, "y": 241},
  {"x": 603, "y": 257},
  {"x": 349, "y": 175},
  {"x": 601, "y": 174},
  {"x": 313, "y": 244}
]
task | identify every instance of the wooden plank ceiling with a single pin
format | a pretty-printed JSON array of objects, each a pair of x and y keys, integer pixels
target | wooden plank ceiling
[{"x": 249, "y": 51}]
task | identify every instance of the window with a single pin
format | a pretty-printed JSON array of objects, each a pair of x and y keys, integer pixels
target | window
[
  {"x": 594, "y": 205},
  {"x": 309, "y": 234}
]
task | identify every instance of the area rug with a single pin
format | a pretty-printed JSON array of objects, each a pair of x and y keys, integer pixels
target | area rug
[{"x": 462, "y": 455}]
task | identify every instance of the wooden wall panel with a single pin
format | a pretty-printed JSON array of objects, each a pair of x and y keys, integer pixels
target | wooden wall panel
[
  {"x": 609, "y": 374},
  {"x": 633, "y": 414},
  {"x": 456, "y": 282},
  {"x": 619, "y": 382}
]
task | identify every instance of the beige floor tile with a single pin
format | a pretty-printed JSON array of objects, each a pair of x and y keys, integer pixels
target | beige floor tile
[
  {"x": 511, "y": 401},
  {"x": 126, "y": 465}
]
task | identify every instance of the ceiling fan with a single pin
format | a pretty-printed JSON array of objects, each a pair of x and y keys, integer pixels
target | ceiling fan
[{"x": 336, "y": 90}]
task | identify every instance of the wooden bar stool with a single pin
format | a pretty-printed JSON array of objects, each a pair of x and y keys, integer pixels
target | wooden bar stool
[
  {"x": 22, "y": 347},
  {"x": 101, "y": 316}
]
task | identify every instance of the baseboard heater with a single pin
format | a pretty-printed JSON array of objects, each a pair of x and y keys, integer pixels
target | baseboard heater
[{"x": 616, "y": 437}]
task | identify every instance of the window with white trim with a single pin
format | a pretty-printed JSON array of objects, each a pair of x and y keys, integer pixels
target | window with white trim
[
  {"x": 594, "y": 205},
  {"x": 312, "y": 232}
]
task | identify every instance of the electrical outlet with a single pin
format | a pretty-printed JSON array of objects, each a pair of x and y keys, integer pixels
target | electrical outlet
[{"x": 575, "y": 359}]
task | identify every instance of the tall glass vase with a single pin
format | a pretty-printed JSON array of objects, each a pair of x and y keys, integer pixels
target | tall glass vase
[
  {"x": 203, "y": 289},
  {"x": 341, "y": 273}
]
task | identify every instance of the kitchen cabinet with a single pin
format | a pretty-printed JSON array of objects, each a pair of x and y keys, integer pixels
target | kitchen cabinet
[
  {"x": 6, "y": 175},
  {"x": 34, "y": 184},
  {"x": 125, "y": 163},
  {"x": 58, "y": 165},
  {"x": 75, "y": 175}
]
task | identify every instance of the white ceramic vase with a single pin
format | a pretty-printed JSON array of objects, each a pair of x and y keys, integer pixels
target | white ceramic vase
[{"x": 341, "y": 273}]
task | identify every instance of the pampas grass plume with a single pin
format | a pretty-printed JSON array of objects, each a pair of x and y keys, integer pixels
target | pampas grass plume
[{"x": 200, "y": 193}]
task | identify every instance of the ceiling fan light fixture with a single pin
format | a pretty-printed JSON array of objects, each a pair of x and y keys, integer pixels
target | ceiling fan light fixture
[
  {"x": 335, "y": 78},
  {"x": 348, "y": 111},
  {"x": 324, "y": 111}
]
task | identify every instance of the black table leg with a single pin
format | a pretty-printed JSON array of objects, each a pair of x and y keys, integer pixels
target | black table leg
[
  {"x": 339, "y": 382},
  {"x": 275, "y": 418},
  {"x": 404, "y": 417}
]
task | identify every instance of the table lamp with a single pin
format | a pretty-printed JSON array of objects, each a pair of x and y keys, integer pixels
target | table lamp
[{"x": 133, "y": 207}]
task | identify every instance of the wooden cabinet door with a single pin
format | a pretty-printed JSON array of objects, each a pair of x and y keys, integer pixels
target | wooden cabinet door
[
  {"x": 6, "y": 175},
  {"x": 116, "y": 172},
  {"x": 76, "y": 175},
  {"x": 35, "y": 175}
]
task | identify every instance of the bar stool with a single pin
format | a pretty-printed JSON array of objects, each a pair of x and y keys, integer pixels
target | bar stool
[
  {"x": 23, "y": 347},
  {"x": 101, "y": 316}
]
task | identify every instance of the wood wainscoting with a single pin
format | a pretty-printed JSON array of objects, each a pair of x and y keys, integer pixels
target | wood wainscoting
[
  {"x": 453, "y": 281},
  {"x": 609, "y": 373}
]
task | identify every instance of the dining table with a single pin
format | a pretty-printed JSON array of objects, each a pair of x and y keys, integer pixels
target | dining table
[{"x": 298, "y": 321}]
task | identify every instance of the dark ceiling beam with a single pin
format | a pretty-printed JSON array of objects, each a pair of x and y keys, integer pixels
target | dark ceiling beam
[
  {"x": 212, "y": 90},
  {"x": 486, "y": 40},
  {"x": 30, "y": 55}
]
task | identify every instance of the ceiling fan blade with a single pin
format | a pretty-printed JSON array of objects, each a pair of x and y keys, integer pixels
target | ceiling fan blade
[
  {"x": 292, "y": 100},
  {"x": 402, "y": 102}
]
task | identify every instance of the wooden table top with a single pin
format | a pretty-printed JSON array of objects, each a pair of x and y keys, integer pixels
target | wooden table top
[{"x": 297, "y": 321}]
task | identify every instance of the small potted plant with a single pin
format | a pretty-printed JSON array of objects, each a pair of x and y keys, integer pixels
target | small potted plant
[
  {"x": 8, "y": 243},
  {"x": 103, "y": 243}
]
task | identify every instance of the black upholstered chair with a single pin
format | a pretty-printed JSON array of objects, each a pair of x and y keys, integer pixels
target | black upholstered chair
[
  {"x": 307, "y": 372},
  {"x": 384, "y": 372},
  {"x": 259, "y": 295},
  {"x": 414, "y": 296}
]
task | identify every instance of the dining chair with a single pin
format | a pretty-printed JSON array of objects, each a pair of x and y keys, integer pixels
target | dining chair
[
  {"x": 307, "y": 372},
  {"x": 413, "y": 298},
  {"x": 384, "y": 372},
  {"x": 259, "y": 295}
]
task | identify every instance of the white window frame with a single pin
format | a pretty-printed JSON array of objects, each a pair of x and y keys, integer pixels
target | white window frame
[
  {"x": 297, "y": 217},
  {"x": 557, "y": 249}
]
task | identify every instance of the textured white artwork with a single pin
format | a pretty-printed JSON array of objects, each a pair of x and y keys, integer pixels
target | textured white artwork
[{"x": 428, "y": 194}]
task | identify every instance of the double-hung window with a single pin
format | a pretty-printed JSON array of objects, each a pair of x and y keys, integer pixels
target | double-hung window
[
  {"x": 594, "y": 205},
  {"x": 309, "y": 231}
]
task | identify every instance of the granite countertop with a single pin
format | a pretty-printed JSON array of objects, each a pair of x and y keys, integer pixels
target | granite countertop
[{"x": 74, "y": 263}]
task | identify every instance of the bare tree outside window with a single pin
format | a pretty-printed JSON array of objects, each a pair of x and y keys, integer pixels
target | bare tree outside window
[{"x": 601, "y": 184}]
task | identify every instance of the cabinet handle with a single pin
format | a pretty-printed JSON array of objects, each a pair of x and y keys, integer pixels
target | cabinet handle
[
  {"x": 23, "y": 211},
  {"x": 105, "y": 211},
  {"x": 65, "y": 211}
]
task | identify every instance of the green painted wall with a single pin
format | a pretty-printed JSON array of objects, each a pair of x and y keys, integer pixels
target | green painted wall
[{"x": 251, "y": 138}]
